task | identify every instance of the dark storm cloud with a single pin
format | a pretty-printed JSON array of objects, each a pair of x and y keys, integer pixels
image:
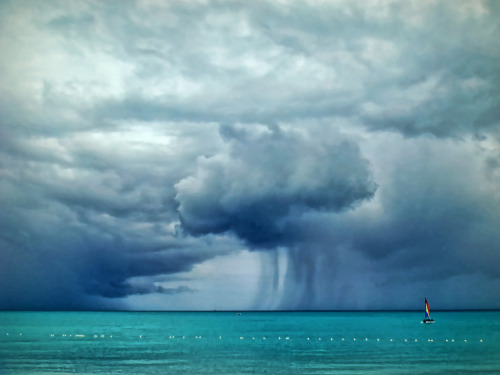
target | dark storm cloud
[
  {"x": 141, "y": 139},
  {"x": 267, "y": 178},
  {"x": 428, "y": 232},
  {"x": 72, "y": 254}
]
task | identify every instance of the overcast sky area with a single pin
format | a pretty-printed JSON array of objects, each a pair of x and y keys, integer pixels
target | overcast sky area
[{"x": 249, "y": 154}]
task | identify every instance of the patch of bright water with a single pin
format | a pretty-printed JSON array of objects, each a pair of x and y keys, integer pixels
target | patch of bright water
[{"x": 253, "y": 342}]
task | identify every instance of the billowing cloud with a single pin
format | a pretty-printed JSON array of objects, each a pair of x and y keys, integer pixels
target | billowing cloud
[
  {"x": 269, "y": 177},
  {"x": 145, "y": 145}
]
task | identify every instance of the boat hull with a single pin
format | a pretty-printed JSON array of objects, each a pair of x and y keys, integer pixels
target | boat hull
[{"x": 428, "y": 321}]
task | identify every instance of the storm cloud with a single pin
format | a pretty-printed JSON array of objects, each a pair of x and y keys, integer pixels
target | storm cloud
[
  {"x": 153, "y": 153},
  {"x": 268, "y": 178}
]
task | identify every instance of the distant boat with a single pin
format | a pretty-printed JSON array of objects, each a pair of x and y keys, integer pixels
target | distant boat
[{"x": 427, "y": 318}]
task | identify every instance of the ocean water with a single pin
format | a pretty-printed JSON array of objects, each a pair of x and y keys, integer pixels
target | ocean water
[{"x": 251, "y": 343}]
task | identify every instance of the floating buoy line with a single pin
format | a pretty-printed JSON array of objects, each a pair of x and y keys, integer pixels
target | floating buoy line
[{"x": 255, "y": 338}]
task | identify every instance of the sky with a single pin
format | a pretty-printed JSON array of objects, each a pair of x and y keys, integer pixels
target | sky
[{"x": 201, "y": 155}]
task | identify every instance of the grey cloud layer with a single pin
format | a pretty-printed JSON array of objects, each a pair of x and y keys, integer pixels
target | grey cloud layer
[
  {"x": 414, "y": 68},
  {"x": 141, "y": 139}
]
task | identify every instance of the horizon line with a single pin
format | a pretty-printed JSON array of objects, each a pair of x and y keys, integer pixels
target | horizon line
[{"x": 250, "y": 310}]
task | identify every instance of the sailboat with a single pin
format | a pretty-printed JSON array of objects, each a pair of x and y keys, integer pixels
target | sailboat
[{"x": 427, "y": 318}]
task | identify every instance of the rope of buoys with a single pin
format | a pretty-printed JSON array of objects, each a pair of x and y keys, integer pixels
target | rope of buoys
[{"x": 279, "y": 338}]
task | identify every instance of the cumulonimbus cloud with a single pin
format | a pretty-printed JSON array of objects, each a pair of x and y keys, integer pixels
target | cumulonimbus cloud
[{"x": 266, "y": 178}]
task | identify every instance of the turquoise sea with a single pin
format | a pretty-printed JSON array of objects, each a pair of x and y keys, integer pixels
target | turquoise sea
[{"x": 465, "y": 342}]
